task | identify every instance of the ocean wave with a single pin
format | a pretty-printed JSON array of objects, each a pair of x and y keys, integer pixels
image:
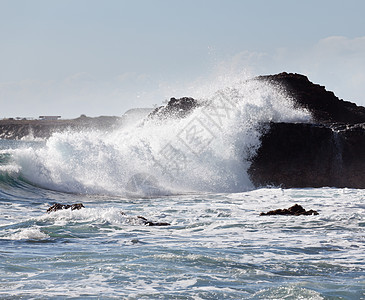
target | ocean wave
[
  {"x": 207, "y": 151},
  {"x": 32, "y": 233}
]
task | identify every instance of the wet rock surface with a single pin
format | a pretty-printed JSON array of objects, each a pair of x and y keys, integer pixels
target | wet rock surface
[
  {"x": 328, "y": 152},
  {"x": 150, "y": 223},
  {"x": 58, "y": 206},
  {"x": 325, "y": 107},
  {"x": 309, "y": 155},
  {"x": 295, "y": 210},
  {"x": 178, "y": 108}
]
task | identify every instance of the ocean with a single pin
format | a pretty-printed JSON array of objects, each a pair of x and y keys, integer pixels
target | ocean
[{"x": 192, "y": 174}]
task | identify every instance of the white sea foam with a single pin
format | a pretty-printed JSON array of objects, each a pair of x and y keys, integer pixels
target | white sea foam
[
  {"x": 218, "y": 246},
  {"x": 32, "y": 233},
  {"x": 207, "y": 151},
  {"x": 288, "y": 292},
  {"x": 10, "y": 169},
  {"x": 110, "y": 216}
]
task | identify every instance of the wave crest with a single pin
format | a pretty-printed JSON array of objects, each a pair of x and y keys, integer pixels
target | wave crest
[{"x": 209, "y": 150}]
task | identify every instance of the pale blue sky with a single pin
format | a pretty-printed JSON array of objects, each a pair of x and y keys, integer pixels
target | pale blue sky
[{"x": 91, "y": 57}]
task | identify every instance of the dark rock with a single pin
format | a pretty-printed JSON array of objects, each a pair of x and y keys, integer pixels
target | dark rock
[
  {"x": 141, "y": 218},
  {"x": 150, "y": 223},
  {"x": 308, "y": 155},
  {"x": 329, "y": 152},
  {"x": 77, "y": 206},
  {"x": 295, "y": 210},
  {"x": 175, "y": 108},
  {"x": 324, "y": 105},
  {"x": 58, "y": 206}
]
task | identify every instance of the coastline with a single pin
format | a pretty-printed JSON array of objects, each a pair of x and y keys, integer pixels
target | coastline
[
  {"x": 327, "y": 151},
  {"x": 20, "y": 129}
]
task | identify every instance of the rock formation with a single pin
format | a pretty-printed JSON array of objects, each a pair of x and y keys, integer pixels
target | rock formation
[
  {"x": 295, "y": 210},
  {"x": 308, "y": 155},
  {"x": 325, "y": 107},
  {"x": 58, "y": 206},
  {"x": 178, "y": 108},
  {"x": 330, "y": 152},
  {"x": 150, "y": 223}
]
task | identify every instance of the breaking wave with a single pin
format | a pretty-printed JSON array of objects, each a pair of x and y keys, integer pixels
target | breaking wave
[{"x": 207, "y": 151}]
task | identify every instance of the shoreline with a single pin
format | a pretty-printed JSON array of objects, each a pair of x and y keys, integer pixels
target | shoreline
[{"x": 18, "y": 129}]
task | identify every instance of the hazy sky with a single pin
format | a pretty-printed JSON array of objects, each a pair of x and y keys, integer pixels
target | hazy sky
[{"x": 72, "y": 57}]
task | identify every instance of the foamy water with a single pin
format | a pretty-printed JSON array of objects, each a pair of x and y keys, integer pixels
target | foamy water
[
  {"x": 208, "y": 151},
  {"x": 217, "y": 246},
  {"x": 192, "y": 174}
]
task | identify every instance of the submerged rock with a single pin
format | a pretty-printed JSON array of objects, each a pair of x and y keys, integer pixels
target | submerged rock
[
  {"x": 145, "y": 221},
  {"x": 295, "y": 210},
  {"x": 150, "y": 223},
  {"x": 58, "y": 206},
  {"x": 77, "y": 206}
]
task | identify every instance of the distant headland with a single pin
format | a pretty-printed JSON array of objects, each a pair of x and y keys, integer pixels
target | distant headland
[{"x": 45, "y": 126}]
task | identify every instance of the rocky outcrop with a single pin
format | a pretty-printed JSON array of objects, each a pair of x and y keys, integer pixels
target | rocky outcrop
[
  {"x": 58, "y": 206},
  {"x": 330, "y": 152},
  {"x": 175, "y": 108},
  {"x": 325, "y": 107},
  {"x": 308, "y": 155},
  {"x": 295, "y": 210}
]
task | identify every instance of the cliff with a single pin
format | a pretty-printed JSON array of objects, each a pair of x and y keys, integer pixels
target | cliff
[
  {"x": 330, "y": 152},
  {"x": 308, "y": 155},
  {"x": 325, "y": 107}
]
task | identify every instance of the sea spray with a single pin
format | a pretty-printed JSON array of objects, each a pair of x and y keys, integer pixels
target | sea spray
[{"x": 207, "y": 151}]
